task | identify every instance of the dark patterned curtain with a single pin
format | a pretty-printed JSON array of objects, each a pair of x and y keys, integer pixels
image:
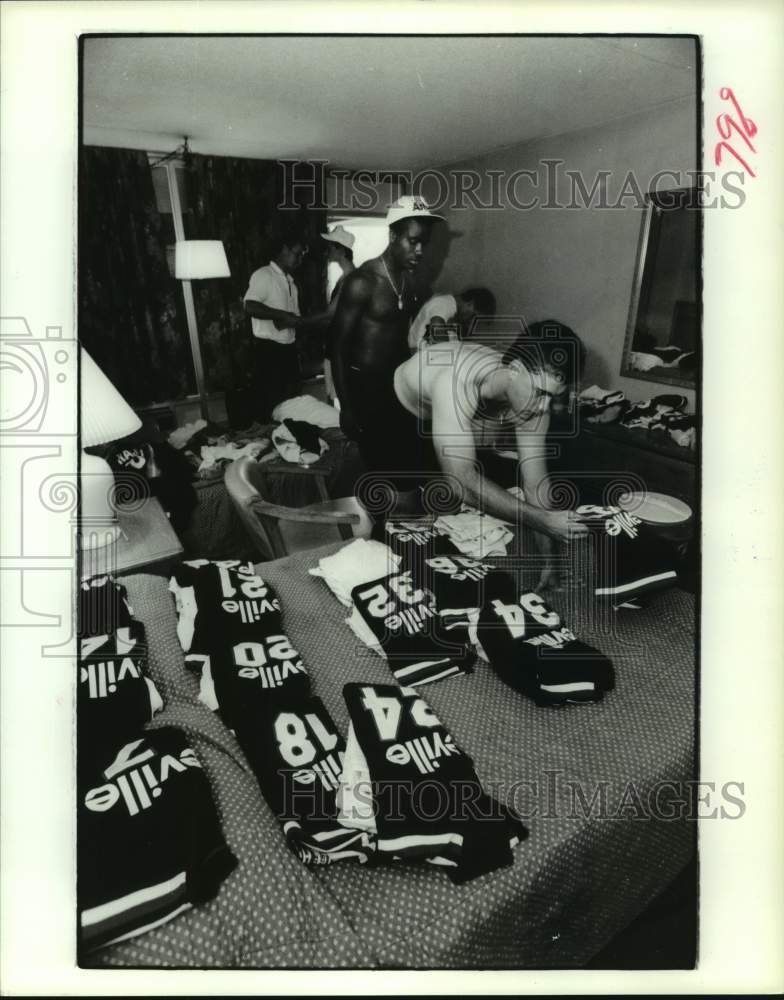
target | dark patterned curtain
[
  {"x": 238, "y": 201},
  {"x": 131, "y": 317}
]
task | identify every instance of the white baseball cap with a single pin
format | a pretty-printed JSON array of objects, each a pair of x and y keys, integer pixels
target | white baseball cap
[
  {"x": 341, "y": 236},
  {"x": 410, "y": 206}
]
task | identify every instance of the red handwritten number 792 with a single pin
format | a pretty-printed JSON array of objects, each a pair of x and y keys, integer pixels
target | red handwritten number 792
[{"x": 726, "y": 124}]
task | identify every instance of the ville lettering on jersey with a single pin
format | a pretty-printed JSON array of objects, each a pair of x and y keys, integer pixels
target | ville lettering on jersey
[
  {"x": 136, "y": 777},
  {"x": 400, "y": 605},
  {"x": 423, "y": 751},
  {"x": 614, "y": 519},
  {"x": 269, "y": 662},
  {"x": 103, "y": 675},
  {"x": 327, "y": 771},
  {"x": 556, "y": 639},
  {"x": 412, "y": 531},
  {"x": 459, "y": 567}
]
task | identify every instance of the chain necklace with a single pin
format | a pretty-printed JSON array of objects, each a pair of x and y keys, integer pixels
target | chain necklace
[{"x": 389, "y": 279}]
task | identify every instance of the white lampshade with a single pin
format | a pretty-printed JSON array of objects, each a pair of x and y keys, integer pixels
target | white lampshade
[
  {"x": 194, "y": 259},
  {"x": 105, "y": 414}
]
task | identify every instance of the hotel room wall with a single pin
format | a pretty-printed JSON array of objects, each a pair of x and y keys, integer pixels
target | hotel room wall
[{"x": 575, "y": 265}]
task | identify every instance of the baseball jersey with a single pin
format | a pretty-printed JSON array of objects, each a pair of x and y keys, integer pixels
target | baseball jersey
[
  {"x": 428, "y": 802},
  {"x": 458, "y": 585},
  {"x": 115, "y": 697},
  {"x": 415, "y": 539},
  {"x": 296, "y": 753},
  {"x": 150, "y": 844},
  {"x": 630, "y": 559},
  {"x": 246, "y": 677},
  {"x": 534, "y": 652},
  {"x": 231, "y": 632},
  {"x": 220, "y": 599},
  {"x": 404, "y": 620}
]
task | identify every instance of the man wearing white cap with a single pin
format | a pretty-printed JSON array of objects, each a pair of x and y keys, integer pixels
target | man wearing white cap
[{"x": 370, "y": 330}]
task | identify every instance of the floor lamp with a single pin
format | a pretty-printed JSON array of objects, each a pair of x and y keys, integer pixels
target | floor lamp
[
  {"x": 195, "y": 260},
  {"x": 105, "y": 417}
]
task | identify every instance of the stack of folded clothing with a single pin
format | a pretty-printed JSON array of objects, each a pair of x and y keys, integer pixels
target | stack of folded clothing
[
  {"x": 217, "y": 605},
  {"x": 356, "y": 562},
  {"x": 648, "y": 412},
  {"x": 406, "y": 780},
  {"x": 230, "y": 629},
  {"x": 149, "y": 841},
  {"x": 534, "y": 652},
  {"x": 297, "y": 755},
  {"x": 416, "y": 607},
  {"x": 602, "y": 406},
  {"x": 400, "y": 619},
  {"x": 476, "y": 534},
  {"x": 678, "y": 427},
  {"x": 414, "y": 537},
  {"x": 630, "y": 558}
]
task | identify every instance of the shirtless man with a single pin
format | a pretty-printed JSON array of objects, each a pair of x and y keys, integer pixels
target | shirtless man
[
  {"x": 442, "y": 391},
  {"x": 370, "y": 329}
]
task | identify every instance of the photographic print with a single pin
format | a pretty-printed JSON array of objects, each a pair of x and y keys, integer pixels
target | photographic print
[{"x": 380, "y": 519}]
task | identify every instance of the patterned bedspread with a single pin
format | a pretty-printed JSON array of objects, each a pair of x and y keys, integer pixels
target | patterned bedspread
[{"x": 593, "y": 860}]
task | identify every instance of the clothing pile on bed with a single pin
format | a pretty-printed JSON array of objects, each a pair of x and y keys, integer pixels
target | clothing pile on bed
[
  {"x": 433, "y": 613},
  {"x": 660, "y": 416},
  {"x": 230, "y": 629},
  {"x": 150, "y": 844}
]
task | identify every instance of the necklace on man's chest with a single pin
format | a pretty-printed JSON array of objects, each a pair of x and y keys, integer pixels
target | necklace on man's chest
[{"x": 399, "y": 294}]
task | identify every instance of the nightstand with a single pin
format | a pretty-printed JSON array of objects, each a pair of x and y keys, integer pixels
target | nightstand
[{"x": 147, "y": 542}]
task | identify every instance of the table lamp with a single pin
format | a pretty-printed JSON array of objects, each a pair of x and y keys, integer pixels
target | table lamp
[
  {"x": 195, "y": 260},
  {"x": 105, "y": 417}
]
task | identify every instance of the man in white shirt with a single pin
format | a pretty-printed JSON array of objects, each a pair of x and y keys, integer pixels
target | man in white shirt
[
  {"x": 272, "y": 302},
  {"x": 441, "y": 310}
]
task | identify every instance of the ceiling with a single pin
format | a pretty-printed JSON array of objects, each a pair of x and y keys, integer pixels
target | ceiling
[{"x": 370, "y": 101}]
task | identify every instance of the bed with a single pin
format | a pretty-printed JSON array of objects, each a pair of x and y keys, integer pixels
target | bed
[{"x": 581, "y": 876}]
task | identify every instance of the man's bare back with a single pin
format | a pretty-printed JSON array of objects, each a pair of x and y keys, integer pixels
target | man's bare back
[
  {"x": 445, "y": 385},
  {"x": 456, "y": 368}
]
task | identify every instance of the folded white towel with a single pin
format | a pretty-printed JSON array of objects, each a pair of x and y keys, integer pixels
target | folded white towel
[{"x": 355, "y": 563}]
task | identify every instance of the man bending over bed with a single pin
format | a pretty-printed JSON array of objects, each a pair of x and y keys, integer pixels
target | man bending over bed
[{"x": 442, "y": 393}]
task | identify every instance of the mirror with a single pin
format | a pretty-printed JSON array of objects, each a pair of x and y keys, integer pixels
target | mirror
[{"x": 663, "y": 331}]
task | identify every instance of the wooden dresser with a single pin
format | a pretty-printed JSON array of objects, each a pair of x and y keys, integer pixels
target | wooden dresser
[{"x": 608, "y": 457}]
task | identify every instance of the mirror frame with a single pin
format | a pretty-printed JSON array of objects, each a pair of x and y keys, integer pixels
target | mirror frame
[{"x": 652, "y": 199}]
